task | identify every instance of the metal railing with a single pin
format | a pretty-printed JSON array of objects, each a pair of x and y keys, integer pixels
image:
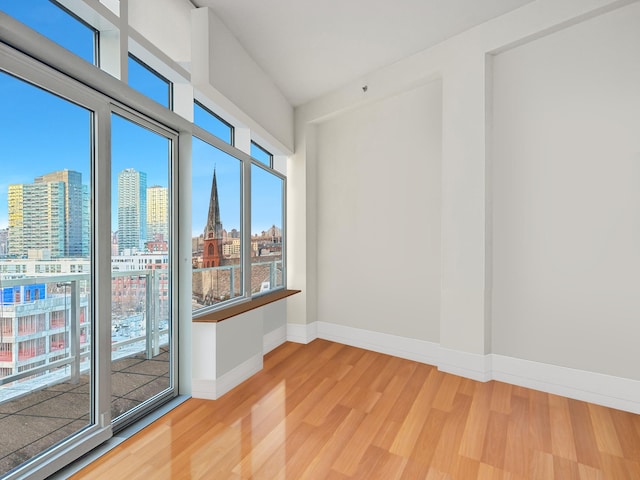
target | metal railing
[
  {"x": 217, "y": 284},
  {"x": 75, "y": 295}
]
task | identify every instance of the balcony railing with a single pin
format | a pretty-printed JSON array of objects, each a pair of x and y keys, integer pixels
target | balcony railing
[
  {"x": 217, "y": 284},
  {"x": 66, "y": 360}
]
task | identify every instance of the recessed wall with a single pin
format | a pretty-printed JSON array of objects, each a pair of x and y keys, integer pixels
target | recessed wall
[
  {"x": 378, "y": 202},
  {"x": 566, "y": 197}
]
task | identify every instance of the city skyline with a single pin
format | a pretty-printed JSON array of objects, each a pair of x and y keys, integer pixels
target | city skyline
[{"x": 46, "y": 133}]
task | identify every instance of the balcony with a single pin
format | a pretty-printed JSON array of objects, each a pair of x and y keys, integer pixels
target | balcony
[{"x": 45, "y": 390}]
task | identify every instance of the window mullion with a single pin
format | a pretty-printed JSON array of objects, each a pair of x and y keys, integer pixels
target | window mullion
[{"x": 246, "y": 225}]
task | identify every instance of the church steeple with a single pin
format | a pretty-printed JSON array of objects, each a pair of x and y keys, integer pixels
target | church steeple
[{"x": 212, "y": 254}]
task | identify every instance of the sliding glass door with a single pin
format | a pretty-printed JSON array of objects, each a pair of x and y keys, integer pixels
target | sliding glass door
[
  {"x": 141, "y": 349},
  {"x": 86, "y": 310},
  {"x": 48, "y": 379}
]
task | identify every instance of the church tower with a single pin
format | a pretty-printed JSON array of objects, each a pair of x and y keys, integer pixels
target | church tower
[{"x": 212, "y": 251}]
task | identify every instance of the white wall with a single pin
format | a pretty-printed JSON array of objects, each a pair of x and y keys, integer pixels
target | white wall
[
  {"x": 224, "y": 72},
  {"x": 548, "y": 302},
  {"x": 379, "y": 216},
  {"x": 166, "y": 24},
  {"x": 566, "y": 196}
]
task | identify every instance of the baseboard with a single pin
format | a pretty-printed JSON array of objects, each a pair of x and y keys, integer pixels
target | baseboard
[
  {"x": 274, "y": 339},
  {"x": 302, "y": 333},
  {"x": 465, "y": 364},
  {"x": 402, "y": 347},
  {"x": 212, "y": 389},
  {"x": 608, "y": 390}
]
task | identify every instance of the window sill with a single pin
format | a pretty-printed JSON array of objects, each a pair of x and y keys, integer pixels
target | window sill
[{"x": 226, "y": 313}]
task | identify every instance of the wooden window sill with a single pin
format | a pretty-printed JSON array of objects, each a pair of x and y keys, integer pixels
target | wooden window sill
[{"x": 232, "y": 311}]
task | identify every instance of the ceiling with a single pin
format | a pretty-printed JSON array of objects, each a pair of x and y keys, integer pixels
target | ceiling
[{"x": 311, "y": 47}]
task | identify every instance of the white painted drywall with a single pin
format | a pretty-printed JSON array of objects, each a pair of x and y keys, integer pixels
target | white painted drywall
[
  {"x": 239, "y": 85},
  {"x": 378, "y": 181},
  {"x": 566, "y": 196},
  {"x": 166, "y": 24}
]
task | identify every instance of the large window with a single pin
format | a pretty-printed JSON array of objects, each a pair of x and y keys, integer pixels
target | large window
[
  {"x": 89, "y": 226},
  {"x": 234, "y": 257},
  {"x": 216, "y": 226}
]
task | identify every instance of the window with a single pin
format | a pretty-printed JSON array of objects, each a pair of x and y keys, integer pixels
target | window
[
  {"x": 267, "y": 229},
  {"x": 56, "y": 23},
  {"x": 209, "y": 121},
  {"x": 149, "y": 82},
  {"x": 261, "y": 155},
  {"x": 88, "y": 222},
  {"x": 217, "y": 226},
  {"x": 141, "y": 166}
]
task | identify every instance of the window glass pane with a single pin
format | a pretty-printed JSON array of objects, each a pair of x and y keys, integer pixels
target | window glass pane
[
  {"x": 212, "y": 123},
  {"x": 261, "y": 154},
  {"x": 149, "y": 83},
  {"x": 267, "y": 209},
  {"x": 140, "y": 306},
  {"x": 45, "y": 271},
  {"x": 52, "y": 21},
  {"x": 216, "y": 220}
]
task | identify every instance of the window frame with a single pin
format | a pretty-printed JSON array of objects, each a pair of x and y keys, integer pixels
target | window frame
[
  {"x": 264, "y": 150},
  {"x": 136, "y": 59},
  {"x": 215, "y": 141},
  {"x": 232, "y": 130},
  {"x": 283, "y": 228}
]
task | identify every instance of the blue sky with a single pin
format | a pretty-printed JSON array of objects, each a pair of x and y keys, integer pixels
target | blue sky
[{"x": 41, "y": 133}]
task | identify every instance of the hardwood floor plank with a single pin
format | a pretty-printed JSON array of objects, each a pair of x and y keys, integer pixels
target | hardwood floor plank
[
  {"x": 562, "y": 435},
  {"x": 565, "y": 469},
  {"x": 362, "y": 438},
  {"x": 379, "y": 463},
  {"x": 627, "y": 434},
  {"x": 446, "y": 392},
  {"x": 330, "y": 411},
  {"x": 495, "y": 440},
  {"x": 501, "y": 398},
  {"x": 429, "y": 438},
  {"x": 541, "y": 466},
  {"x": 444, "y": 458},
  {"x": 590, "y": 473},
  {"x": 517, "y": 453},
  {"x": 476, "y": 425},
  {"x": 539, "y": 424},
  {"x": 604, "y": 430},
  {"x": 586, "y": 446},
  {"x": 417, "y": 414}
]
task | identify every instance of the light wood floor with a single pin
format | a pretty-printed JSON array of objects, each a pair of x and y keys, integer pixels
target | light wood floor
[{"x": 329, "y": 411}]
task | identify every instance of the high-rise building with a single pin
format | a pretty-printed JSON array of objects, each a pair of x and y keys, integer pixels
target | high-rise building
[
  {"x": 212, "y": 248},
  {"x": 37, "y": 218},
  {"x": 132, "y": 210},
  {"x": 49, "y": 214},
  {"x": 157, "y": 213},
  {"x": 74, "y": 193}
]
